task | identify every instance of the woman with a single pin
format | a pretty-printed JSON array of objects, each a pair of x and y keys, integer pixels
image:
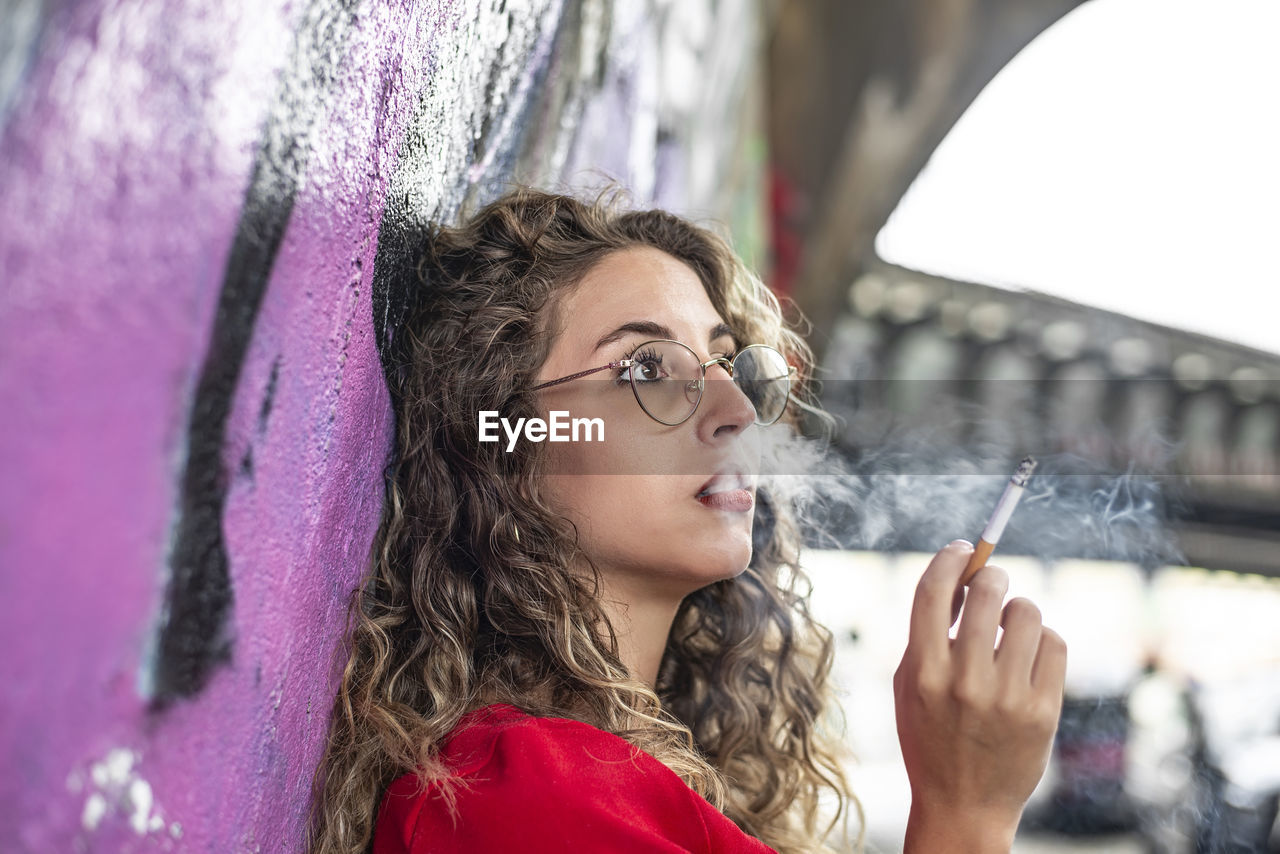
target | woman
[{"x": 605, "y": 644}]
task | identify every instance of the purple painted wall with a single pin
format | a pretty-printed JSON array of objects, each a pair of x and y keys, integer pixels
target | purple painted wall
[{"x": 200, "y": 209}]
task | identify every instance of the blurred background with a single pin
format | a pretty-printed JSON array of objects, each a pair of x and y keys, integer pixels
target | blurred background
[
  {"x": 1041, "y": 226},
  {"x": 1046, "y": 228}
]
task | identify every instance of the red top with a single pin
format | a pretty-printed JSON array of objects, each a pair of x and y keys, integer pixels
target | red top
[{"x": 549, "y": 784}]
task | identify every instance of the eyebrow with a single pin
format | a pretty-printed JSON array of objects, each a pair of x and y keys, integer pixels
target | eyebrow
[{"x": 657, "y": 330}]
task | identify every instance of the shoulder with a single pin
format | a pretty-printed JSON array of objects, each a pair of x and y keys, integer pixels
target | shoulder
[{"x": 544, "y": 784}]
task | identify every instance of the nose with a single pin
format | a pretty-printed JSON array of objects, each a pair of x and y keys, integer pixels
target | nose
[{"x": 725, "y": 409}]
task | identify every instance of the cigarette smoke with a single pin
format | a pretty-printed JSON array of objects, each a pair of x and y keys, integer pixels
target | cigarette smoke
[{"x": 910, "y": 492}]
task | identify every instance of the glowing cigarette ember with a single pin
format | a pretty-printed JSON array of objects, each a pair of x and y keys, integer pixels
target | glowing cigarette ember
[{"x": 999, "y": 518}]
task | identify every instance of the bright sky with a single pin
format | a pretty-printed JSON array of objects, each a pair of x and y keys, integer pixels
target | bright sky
[{"x": 1129, "y": 158}]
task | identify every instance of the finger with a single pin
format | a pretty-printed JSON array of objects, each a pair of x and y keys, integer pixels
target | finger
[
  {"x": 931, "y": 611},
  {"x": 977, "y": 560},
  {"x": 1021, "y": 641},
  {"x": 1050, "y": 669},
  {"x": 976, "y": 637}
]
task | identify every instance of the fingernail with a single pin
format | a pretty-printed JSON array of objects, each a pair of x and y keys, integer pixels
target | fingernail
[{"x": 961, "y": 542}]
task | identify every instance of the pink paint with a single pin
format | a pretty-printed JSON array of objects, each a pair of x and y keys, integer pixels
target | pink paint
[{"x": 124, "y": 167}]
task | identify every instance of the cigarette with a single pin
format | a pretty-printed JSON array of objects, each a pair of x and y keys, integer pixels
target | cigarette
[{"x": 999, "y": 518}]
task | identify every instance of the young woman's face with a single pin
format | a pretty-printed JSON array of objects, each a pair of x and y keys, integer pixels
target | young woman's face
[{"x": 662, "y": 510}]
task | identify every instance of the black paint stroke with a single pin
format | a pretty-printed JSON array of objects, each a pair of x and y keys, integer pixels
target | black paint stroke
[
  {"x": 269, "y": 396},
  {"x": 193, "y": 635},
  {"x": 406, "y": 217}
]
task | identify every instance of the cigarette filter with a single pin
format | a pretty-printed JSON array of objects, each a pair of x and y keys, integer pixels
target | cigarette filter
[{"x": 999, "y": 518}]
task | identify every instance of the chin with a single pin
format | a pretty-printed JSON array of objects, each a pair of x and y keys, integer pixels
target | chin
[{"x": 726, "y": 565}]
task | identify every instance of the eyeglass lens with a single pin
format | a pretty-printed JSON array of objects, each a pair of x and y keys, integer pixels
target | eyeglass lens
[{"x": 668, "y": 380}]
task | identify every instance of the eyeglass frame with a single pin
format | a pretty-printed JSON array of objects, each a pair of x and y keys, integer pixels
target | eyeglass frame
[{"x": 723, "y": 361}]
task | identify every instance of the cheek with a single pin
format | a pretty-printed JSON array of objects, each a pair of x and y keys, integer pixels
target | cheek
[
  {"x": 607, "y": 511},
  {"x": 619, "y": 446},
  {"x": 617, "y": 506}
]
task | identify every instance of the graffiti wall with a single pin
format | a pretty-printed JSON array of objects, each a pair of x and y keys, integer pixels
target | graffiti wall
[{"x": 205, "y": 209}]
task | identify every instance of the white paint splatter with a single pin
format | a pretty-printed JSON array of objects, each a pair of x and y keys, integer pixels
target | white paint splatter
[
  {"x": 115, "y": 769},
  {"x": 138, "y": 801},
  {"x": 95, "y": 807},
  {"x": 117, "y": 788}
]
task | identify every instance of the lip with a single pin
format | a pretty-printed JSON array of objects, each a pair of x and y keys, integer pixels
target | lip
[
  {"x": 732, "y": 500},
  {"x": 733, "y": 491}
]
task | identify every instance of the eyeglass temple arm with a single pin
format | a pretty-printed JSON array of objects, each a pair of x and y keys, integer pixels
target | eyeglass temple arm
[
  {"x": 624, "y": 363},
  {"x": 791, "y": 371}
]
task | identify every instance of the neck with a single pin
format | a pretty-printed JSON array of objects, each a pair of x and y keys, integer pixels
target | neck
[{"x": 642, "y": 623}]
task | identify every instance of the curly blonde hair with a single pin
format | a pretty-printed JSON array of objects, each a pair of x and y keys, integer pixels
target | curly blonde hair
[{"x": 470, "y": 600}]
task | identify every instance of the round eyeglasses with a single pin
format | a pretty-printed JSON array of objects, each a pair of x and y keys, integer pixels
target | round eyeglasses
[{"x": 668, "y": 380}]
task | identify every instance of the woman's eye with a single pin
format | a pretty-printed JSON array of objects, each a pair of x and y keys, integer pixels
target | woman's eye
[
  {"x": 642, "y": 372},
  {"x": 646, "y": 367},
  {"x": 649, "y": 371}
]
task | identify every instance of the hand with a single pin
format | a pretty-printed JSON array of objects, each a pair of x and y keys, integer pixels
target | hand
[{"x": 975, "y": 721}]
